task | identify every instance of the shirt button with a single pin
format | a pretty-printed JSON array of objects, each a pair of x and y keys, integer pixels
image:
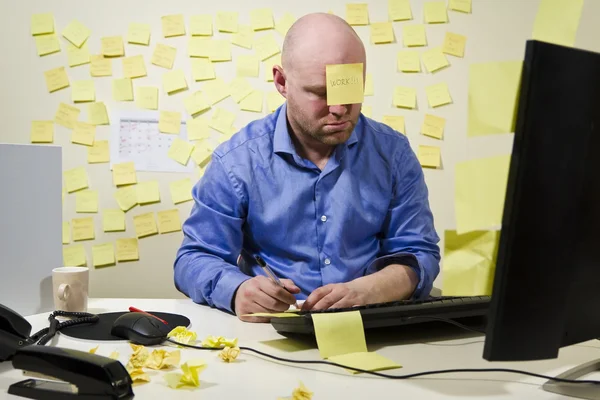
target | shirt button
[
  {"x": 323, "y": 218},
  {"x": 327, "y": 261}
]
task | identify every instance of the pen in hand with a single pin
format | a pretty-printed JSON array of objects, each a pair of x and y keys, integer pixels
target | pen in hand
[{"x": 270, "y": 273}]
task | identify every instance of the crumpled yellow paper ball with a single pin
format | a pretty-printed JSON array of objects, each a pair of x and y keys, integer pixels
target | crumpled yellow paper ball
[
  {"x": 229, "y": 354},
  {"x": 138, "y": 375},
  {"x": 190, "y": 376},
  {"x": 182, "y": 335},
  {"x": 300, "y": 393},
  {"x": 138, "y": 358},
  {"x": 219, "y": 341},
  {"x": 161, "y": 359}
]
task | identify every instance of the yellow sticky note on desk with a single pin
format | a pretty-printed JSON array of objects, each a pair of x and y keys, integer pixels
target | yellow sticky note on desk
[
  {"x": 134, "y": 67},
  {"x": 433, "y": 126},
  {"x": 405, "y": 97},
  {"x": 97, "y": 114},
  {"x": 164, "y": 56},
  {"x": 479, "y": 191},
  {"x": 201, "y": 25},
  {"x": 148, "y": 192},
  {"x": 408, "y": 61},
  {"x": 414, "y": 35},
  {"x": 113, "y": 220},
  {"x": 146, "y": 97},
  {"x": 197, "y": 129},
  {"x": 285, "y": 23},
  {"x": 382, "y": 32},
  {"x": 253, "y": 102},
  {"x": 247, "y": 65},
  {"x": 74, "y": 256},
  {"x": 76, "y": 33},
  {"x": 145, "y": 225},
  {"x": 434, "y": 59},
  {"x": 274, "y": 100},
  {"x": 103, "y": 254},
  {"x": 429, "y": 156},
  {"x": 86, "y": 201},
  {"x": 222, "y": 120},
  {"x": 127, "y": 249},
  {"x": 357, "y": 14},
  {"x": 78, "y": 55},
  {"x": 168, "y": 221},
  {"x": 181, "y": 190},
  {"x": 195, "y": 104},
  {"x": 244, "y": 37},
  {"x": 435, "y": 12},
  {"x": 138, "y": 33},
  {"x": 47, "y": 44},
  {"x": 75, "y": 179},
  {"x": 339, "y": 333},
  {"x": 112, "y": 46},
  {"x": 66, "y": 232},
  {"x": 42, "y": 131},
  {"x": 396, "y": 122},
  {"x": 266, "y": 46},
  {"x": 261, "y": 18},
  {"x": 82, "y": 91},
  {"x": 460, "y": 5},
  {"x": 56, "y": 79},
  {"x": 169, "y": 122},
  {"x": 66, "y": 115},
  {"x": 438, "y": 95},
  {"x": 239, "y": 88},
  {"x": 126, "y": 197},
  {"x": 83, "y": 133},
  {"x": 493, "y": 94},
  {"x": 344, "y": 83},
  {"x": 216, "y": 90},
  {"x": 122, "y": 89},
  {"x": 399, "y": 10},
  {"x": 124, "y": 173},
  {"x": 174, "y": 81},
  {"x": 100, "y": 66},
  {"x": 99, "y": 152},
  {"x": 557, "y": 21},
  {"x": 180, "y": 151},
  {"x": 227, "y": 21},
  {"x": 83, "y": 229},
  {"x": 469, "y": 263},
  {"x": 42, "y": 24},
  {"x": 368, "y": 361},
  {"x": 202, "y": 69},
  {"x": 173, "y": 25},
  {"x": 454, "y": 44}
]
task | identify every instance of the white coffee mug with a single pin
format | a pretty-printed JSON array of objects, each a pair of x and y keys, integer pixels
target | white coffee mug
[{"x": 70, "y": 288}]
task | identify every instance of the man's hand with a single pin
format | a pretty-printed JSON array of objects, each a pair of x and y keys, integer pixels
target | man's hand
[
  {"x": 337, "y": 295},
  {"x": 260, "y": 294}
]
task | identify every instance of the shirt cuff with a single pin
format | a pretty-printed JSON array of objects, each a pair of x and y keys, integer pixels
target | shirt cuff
[
  {"x": 407, "y": 259},
  {"x": 229, "y": 282}
]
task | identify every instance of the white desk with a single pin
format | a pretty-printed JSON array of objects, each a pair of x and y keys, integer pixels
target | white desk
[{"x": 252, "y": 377}]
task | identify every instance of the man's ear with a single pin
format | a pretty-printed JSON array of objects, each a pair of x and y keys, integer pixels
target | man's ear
[{"x": 280, "y": 80}]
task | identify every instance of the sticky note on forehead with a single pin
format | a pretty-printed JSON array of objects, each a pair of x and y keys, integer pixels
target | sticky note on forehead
[{"x": 344, "y": 83}]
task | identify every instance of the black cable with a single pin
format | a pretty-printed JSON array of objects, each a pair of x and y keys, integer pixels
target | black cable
[{"x": 45, "y": 335}]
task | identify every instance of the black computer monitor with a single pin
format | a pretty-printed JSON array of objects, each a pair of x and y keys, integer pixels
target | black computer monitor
[{"x": 546, "y": 291}]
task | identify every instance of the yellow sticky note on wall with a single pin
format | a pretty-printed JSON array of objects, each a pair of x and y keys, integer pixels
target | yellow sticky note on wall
[
  {"x": 147, "y": 97},
  {"x": 469, "y": 263},
  {"x": 435, "y": 12},
  {"x": 239, "y": 88},
  {"x": 357, "y": 14},
  {"x": 97, "y": 114},
  {"x": 42, "y": 24},
  {"x": 174, "y": 81},
  {"x": 339, "y": 333},
  {"x": 82, "y": 91},
  {"x": 219, "y": 50},
  {"x": 164, "y": 56},
  {"x": 433, "y": 126},
  {"x": 56, "y": 79},
  {"x": 168, "y": 221},
  {"x": 247, "y": 65},
  {"x": 268, "y": 66},
  {"x": 344, "y": 83},
  {"x": 408, "y": 61},
  {"x": 145, "y": 225},
  {"x": 103, "y": 254},
  {"x": 369, "y": 89},
  {"x": 399, "y": 10},
  {"x": 138, "y": 33},
  {"x": 382, "y": 32},
  {"x": 429, "y": 156},
  {"x": 434, "y": 59},
  {"x": 112, "y": 46},
  {"x": 222, "y": 120},
  {"x": 83, "y": 133},
  {"x": 202, "y": 69},
  {"x": 124, "y": 173},
  {"x": 99, "y": 152},
  {"x": 181, "y": 190},
  {"x": 202, "y": 153},
  {"x": 127, "y": 249},
  {"x": 122, "y": 89},
  {"x": 113, "y": 220},
  {"x": 266, "y": 46},
  {"x": 396, "y": 122},
  {"x": 134, "y": 67},
  {"x": 126, "y": 197},
  {"x": 200, "y": 47},
  {"x": 454, "y": 44},
  {"x": 261, "y": 18},
  {"x": 47, "y": 44},
  {"x": 66, "y": 232},
  {"x": 169, "y": 122},
  {"x": 66, "y": 115},
  {"x": 216, "y": 90},
  {"x": 78, "y": 55},
  {"x": 148, "y": 192},
  {"x": 227, "y": 21},
  {"x": 75, "y": 179},
  {"x": 244, "y": 37},
  {"x": 284, "y": 23},
  {"x": 367, "y": 111},
  {"x": 180, "y": 151},
  {"x": 100, "y": 66},
  {"x": 83, "y": 229},
  {"x": 460, "y": 5},
  {"x": 438, "y": 95},
  {"x": 197, "y": 129},
  {"x": 76, "y": 33},
  {"x": 201, "y": 25},
  {"x": 405, "y": 97},
  {"x": 557, "y": 21},
  {"x": 173, "y": 25},
  {"x": 196, "y": 103},
  {"x": 253, "y": 102},
  {"x": 86, "y": 201},
  {"x": 274, "y": 100},
  {"x": 414, "y": 35},
  {"x": 42, "y": 131},
  {"x": 74, "y": 256}
]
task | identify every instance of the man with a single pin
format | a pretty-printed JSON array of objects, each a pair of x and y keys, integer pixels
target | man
[{"x": 334, "y": 202}]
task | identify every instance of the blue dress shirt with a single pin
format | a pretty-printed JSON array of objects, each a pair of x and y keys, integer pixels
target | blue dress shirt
[{"x": 367, "y": 209}]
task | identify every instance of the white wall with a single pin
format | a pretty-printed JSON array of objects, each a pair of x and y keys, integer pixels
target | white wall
[{"x": 496, "y": 31}]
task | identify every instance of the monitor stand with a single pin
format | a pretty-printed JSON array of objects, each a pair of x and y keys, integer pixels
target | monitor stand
[{"x": 577, "y": 390}]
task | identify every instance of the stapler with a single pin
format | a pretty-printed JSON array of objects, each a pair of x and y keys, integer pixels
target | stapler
[{"x": 85, "y": 376}]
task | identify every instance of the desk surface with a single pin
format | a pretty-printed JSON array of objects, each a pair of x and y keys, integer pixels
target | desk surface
[{"x": 253, "y": 377}]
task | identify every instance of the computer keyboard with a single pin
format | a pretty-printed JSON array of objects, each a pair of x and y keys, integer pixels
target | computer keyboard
[{"x": 395, "y": 313}]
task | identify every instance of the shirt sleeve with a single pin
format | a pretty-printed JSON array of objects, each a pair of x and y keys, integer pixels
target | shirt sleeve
[
  {"x": 206, "y": 263},
  {"x": 408, "y": 233}
]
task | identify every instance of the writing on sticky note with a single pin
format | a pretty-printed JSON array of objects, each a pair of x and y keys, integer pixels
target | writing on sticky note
[
  {"x": 42, "y": 131},
  {"x": 127, "y": 249},
  {"x": 222, "y": 120},
  {"x": 201, "y": 25},
  {"x": 344, "y": 83},
  {"x": 42, "y": 24},
  {"x": 173, "y": 25},
  {"x": 75, "y": 179},
  {"x": 408, "y": 61},
  {"x": 357, "y": 14},
  {"x": 66, "y": 115},
  {"x": 339, "y": 333},
  {"x": 399, "y": 10},
  {"x": 168, "y": 221},
  {"x": 239, "y": 88},
  {"x": 86, "y": 201},
  {"x": 274, "y": 100},
  {"x": 227, "y": 21},
  {"x": 112, "y": 46},
  {"x": 382, "y": 32},
  {"x": 433, "y": 126},
  {"x": 454, "y": 44},
  {"x": 244, "y": 37},
  {"x": 429, "y": 156},
  {"x": 414, "y": 35},
  {"x": 180, "y": 151},
  {"x": 164, "y": 56},
  {"x": 126, "y": 197},
  {"x": 460, "y": 5},
  {"x": 83, "y": 91},
  {"x": 253, "y": 102},
  {"x": 83, "y": 229},
  {"x": 47, "y": 44},
  {"x": 56, "y": 79},
  {"x": 169, "y": 122},
  {"x": 74, "y": 256},
  {"x": 97, "y": 114},
  {"x": 124, "y": 173},
  {"x": 83, "y": 133},
  {"x": 113, "y": 220},
  {"x": 266, "y": 46},
  {"x": 122, "y": 89},
  {"x": 247, "y": 65},
  {"x": 66, "y": 232},
  {"x": 405, "y": 97},
  {"x": 147, "y": 97},
  {"x": 438, "y": 95},
  {"x": 202, "y": 69},
  {"x": 195, "y": 104},
  {"x": 284, "y": 23},
  {"x": 395, "y": 122},
  {"x": 197, "y": 129},
  {"x": 181, "y": 190},
  {"x": 100, "y": 66},
  {"x": 435, "y": 12},
  {"x": 76, "y": 33},
  {"x": 261, "y": 18},
  {"x": 78, "y": 55},
  {"x": 216, "y": 90},
  {"x": 434, "y": 60},
  {"x": 103, "y": 255},
  {"x": 148, "y": 192},
  {"x": 138, "y": 33},
  {"x": 99, "y": 152},
  {"x": 174, "y": 81},
  {"x": 134, "y": 67},
  {"x": 145, "y": 225},
  {"x": 368, "y": 361}
]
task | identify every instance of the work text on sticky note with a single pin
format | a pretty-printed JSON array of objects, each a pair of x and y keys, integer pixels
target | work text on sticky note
[{"x": 344, "y": 83}]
